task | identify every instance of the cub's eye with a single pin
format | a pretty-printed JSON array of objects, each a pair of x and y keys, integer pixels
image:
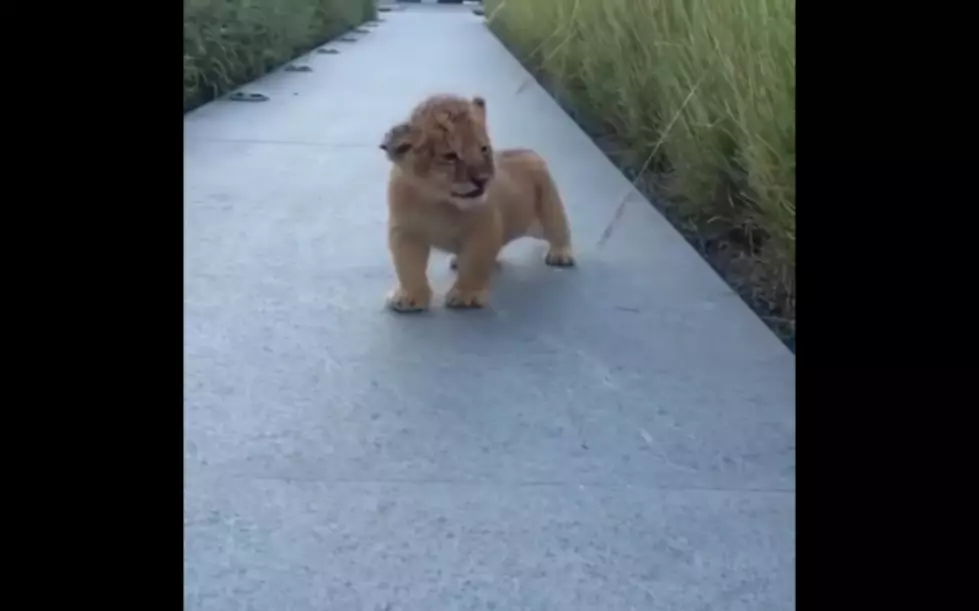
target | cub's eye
[
  {"x": 450, "y": 156},
  {"x": 485, "y": 149}
]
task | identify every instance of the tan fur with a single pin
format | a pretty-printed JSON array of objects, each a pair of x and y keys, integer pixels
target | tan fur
[{"x": 440, "y": 154}]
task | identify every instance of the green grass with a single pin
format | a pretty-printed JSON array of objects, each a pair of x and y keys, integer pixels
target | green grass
[
  {"x": 696, "y": 99},
  {"x": 230, "y": 42}
]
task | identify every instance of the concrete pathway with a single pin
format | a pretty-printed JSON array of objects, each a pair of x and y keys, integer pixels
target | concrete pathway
[{"x": 612, "y": 437}]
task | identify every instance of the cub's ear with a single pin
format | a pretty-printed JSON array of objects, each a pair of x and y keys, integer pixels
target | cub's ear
[
  {"x": 480, "y": 105},
  {"x": 397, "y": 141}
]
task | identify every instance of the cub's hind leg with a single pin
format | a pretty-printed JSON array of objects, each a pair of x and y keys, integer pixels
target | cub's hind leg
[{"x": 554, "y": 222}]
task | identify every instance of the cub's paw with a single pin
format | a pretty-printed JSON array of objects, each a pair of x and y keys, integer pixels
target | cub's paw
[
  {"x": 404, "y": 301},
  {"x": 560, "y": 257},
  {"x": 461, "y": 299}
]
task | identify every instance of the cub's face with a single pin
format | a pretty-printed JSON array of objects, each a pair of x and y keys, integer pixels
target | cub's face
[{"x": 445, "y": 149}]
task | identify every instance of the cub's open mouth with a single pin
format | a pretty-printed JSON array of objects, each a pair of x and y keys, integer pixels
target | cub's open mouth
[{"x": 478, "y": 191}]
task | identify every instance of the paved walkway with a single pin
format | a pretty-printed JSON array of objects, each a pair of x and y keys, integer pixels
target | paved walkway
[{"x": 612, "y": 437}]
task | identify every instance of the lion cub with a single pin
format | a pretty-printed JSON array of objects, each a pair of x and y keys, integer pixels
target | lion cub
[{"x": 450, "y": 191}]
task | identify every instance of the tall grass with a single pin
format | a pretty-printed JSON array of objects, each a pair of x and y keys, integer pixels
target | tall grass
[
  {"x": 229, "y": 42},
  {"x": 712, "y": 82}
]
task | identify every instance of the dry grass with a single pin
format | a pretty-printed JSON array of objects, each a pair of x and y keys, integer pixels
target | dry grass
[
  {"x": 230, "y": 42},
  {"x": 714, "y": 84}
]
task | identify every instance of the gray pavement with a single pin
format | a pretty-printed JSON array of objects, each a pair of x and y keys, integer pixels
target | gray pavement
[{"x": 616, "y": 436}]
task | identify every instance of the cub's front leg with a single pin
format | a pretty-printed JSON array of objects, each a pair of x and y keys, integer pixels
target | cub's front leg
[
  {"x": 475, "y": 264},
  {"x": 410, "y": 257}
]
